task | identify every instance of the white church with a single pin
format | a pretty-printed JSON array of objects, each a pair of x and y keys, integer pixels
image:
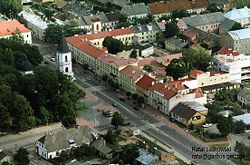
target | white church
[{"x": 64, "y": 59}]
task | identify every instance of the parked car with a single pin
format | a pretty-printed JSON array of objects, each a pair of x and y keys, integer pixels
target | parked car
[
  {"x": 136, "y": 108},
  {"x": 206, "y": 125},
  {"x": 122, "y": 99},
  {"x": 115, "y": 105},
  {"x": 107, "y": 113},
  {"x": 126, "y": 123},
  {"x": 52, "y": 59},
  {"x": 46, "y": 62}
]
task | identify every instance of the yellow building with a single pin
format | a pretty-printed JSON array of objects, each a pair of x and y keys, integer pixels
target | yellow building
[{"x": 187, "y": 115}]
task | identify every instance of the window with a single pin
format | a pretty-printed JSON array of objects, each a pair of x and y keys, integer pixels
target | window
[
  {"x": 66, "y": 69},
  {"x": 66, "y": 58}
]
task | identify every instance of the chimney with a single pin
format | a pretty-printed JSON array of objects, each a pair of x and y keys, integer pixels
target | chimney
[{"x": 153, "y": 83}]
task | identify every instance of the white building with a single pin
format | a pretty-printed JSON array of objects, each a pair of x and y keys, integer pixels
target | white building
[
  {"x": 52, "y": 144},
  {"x": 8, "y": 28},
  {"x": 234, "y": 63},
  {"x": 64, "y": 60},
  {"x": 34, "y": 22},
  {"x": 241, "y": 16}
]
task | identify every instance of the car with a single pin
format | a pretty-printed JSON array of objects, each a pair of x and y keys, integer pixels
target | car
[
  {"x": 115, "y": 105},
  {"x": 122, "y": 98},
  {"x": 100, "y": 108},
  {"x": 136, "y": 108},
  {"x": 52, "y": 59},
  {"x": 46, "y": 62},
  {"x": 107, "y": 113},
  {"x": 126, "y": 123},
  {"x": 206, "y": 125}
]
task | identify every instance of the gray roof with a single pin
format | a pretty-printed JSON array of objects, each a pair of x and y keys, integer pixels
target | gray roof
[
  {"x": 147, "y": 158},
  {"x": 240, "y": 34},
  {"x": 146, "y": 27},
  {"x": 227, "y": 24},
  {"x": 100, "y": 146},
  {"x": 245, "y": 93},
  {"x": 63, "y": 47},
  {"x": 195, "y": 106},
  {"x": 218, "y": 2},
  {"x": 245, "y": 118},
  {"x": 103, "y": 17},
  {"x": 177, "y": 42},
  {"x": 114, "y": 16},
  {"x": 58, "y": 140},
  {"x": 204, "y": 19},
  {"x": 204, "y": 35},
  {"x": 183, "y": 111},
  {"x": 120, "y": 3},
  {"x": 135, "y": 9}
]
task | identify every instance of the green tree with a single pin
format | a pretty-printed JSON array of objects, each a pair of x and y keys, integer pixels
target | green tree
[
  {"x": 85, "y": 151},
  {"x": 171, "y": 29},
  {"x": 148, "y": 68},
  {"x": 129, "y": 153},
  {"x": 133, "y": 54},
  {"x": 64, "y": 156},
  {"x": 212, "y": 8},
  {"x": 177, "y": 69},
  {"x": 113, "y": 45},
  {"x": 197, "y": 57},
  {"x": 53, "y": 34},
  {"x": 6, "y": 120},
  {"x": 241, "y": 149},
  {"x": 117, "y": 120},
  {"x": 72, "y": 29},
  {"x": 239, "y": 127},
  {"x": 5, "y": 163},
  {"x": 225, "y": 125},
  {"x": 236, "y": 26},
  {"x": 68, "y": 121},
  {"x": 11, "y": 8},
  {"x": 17, "y": 36},
  {"x": 179, "y": 14},
  {"x": 22, "y": 157},
  {"x": 110, "y": 137},
  {"x": 104, "y": 78}
]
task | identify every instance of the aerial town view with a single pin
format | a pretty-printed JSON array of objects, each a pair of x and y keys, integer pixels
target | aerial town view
[{"x": 124, "y": 82}]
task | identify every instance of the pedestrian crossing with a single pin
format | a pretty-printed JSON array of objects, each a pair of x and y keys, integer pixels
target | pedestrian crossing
[
  {"x": 151, "y": 125},
  {"x": 96, "y": 88}
]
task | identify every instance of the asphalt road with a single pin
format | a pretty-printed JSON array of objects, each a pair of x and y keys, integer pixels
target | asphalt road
[{"x": 140, "y": 119}]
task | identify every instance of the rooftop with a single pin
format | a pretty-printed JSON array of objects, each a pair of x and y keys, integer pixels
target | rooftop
[
  {"x": 245, "y": 118},
  {"x": 145, "y": 28},
  {"x": 34, "y": 19},
  {"x": 195, "y": 105},
  {"x": 177, "y": 42},
  {"x": 133, "y": 72},
  {"x": 63, "y": 47},
  {"x": 85, "y": 46},
  {"x": 183, "y": 111},
  {"x": 135, "y": 9},
  {"x": 146, "y": 82},
  {"x": 204, "y": 19},
  {"x": 240, "y": 34},
  {"x": 10, "y": 27},
  {"x": 237, "y": 14},
  {"x": 147, "y": 158},
  {"x": 118, "y": 61},
  {"x": 172, "y": 5}
]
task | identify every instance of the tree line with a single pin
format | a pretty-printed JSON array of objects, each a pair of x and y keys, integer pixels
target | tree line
[{"x": 32, "y": 99}]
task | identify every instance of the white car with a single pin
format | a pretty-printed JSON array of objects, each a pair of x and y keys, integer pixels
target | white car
[{"x": 206, "y": 125}]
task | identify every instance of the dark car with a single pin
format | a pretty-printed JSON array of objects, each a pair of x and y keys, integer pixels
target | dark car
[
  {"x": 107, "y": 113},
  {"x": 115, "y": 105},
  {"x": 46, "y": 62},
  {"x": 122, "y": 99},
  {"x": 126, "y": 123},
  {"x": 136, "y": 108}
]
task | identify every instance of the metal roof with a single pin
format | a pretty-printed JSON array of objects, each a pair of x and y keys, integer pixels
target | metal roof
[
  {"x": 240, "y": 34},
  {"x": 245, "y": 118}
]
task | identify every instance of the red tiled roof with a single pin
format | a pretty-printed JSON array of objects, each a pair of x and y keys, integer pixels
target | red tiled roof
[
  {"x": 149, "y": 61},
  {"x": 85, "y": 46},
  {"x": 168, "y": 94},
  {"x": 161, "y": 25},
  {"x": 168, "y": 58},
  {"x": 118, "y": 61},
  {"x": 216, "y": 73},
  {"x": 157, "y": 87},
  {"x": 198, "y": 92},
  {"x": 133, "y": 72},
  {"x": 189, "y": 33},
  {"x": 9, "y": 27},
  {"x": 103, "y": 34},
  {"x": 228, "y": 52},
  {"x": 172, "y": 5},
  {"x": 196, "y": 72},
  {"x": 146, "y": 82}
]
